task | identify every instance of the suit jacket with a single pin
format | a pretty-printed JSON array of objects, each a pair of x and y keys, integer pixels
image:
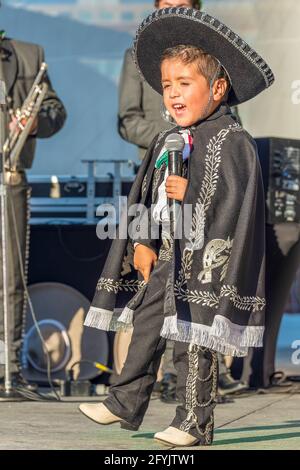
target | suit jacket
[
  {"x": 21, "y": 63},
  {"x": 140, "y": 108}
]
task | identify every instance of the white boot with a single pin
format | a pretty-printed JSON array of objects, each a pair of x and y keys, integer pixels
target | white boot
[
  {"x": 98, "y": 413},
  {"x": 174, "y": 437}
]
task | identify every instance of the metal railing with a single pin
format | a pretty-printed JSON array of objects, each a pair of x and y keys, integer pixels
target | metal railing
[{"x": 70, "y": 199}]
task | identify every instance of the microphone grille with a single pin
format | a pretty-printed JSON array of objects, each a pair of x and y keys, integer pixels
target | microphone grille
[{"x": 174, "y": 142}]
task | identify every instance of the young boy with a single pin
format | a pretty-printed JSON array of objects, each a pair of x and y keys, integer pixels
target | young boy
[{"x": 209, "y": 283}]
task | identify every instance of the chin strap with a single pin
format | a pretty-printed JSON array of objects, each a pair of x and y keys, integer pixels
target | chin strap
[{"x": 210, "y": 99}]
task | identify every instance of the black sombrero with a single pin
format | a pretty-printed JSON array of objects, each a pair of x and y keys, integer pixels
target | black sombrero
[{"x": 247, "y": 70}]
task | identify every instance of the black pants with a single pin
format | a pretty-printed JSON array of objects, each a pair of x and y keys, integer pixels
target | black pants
[
  {"x": 197, "y": 370},
  {"x": 168, "y": 360},
  {"x": 18, "y": 198}
]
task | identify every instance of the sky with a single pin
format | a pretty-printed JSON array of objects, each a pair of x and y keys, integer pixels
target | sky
[{"x": 85, "y": 41}]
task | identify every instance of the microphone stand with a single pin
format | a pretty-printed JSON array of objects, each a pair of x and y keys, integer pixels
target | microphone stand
[{"x": 8, "y": 394}]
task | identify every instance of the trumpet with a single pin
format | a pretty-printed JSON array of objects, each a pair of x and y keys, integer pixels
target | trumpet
[{"x": 25, "y": 117}]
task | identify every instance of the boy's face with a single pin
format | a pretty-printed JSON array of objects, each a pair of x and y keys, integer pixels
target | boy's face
[{"x": 185, "y": 91}]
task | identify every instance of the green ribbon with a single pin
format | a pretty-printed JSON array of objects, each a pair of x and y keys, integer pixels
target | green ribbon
[{"x": 163, "y": 159}]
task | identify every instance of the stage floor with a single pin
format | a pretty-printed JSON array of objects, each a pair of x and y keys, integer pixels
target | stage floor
[{"x": 255, "y": 421}]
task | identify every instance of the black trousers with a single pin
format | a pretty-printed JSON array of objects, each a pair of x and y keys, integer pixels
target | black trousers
[
  {"x": 197, "y": 370},
  {"x": 18, "y": 213}
]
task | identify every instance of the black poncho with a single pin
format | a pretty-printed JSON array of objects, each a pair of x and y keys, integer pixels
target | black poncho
[{"x": 215, "y": 288}]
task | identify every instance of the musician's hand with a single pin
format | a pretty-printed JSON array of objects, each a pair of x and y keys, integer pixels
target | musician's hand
[
  {"x": 13, "y": 125},
  {"x": 34, "y": 126},
  {"x": 144, "y": 260},
  {"x": 176, "y": 187}
]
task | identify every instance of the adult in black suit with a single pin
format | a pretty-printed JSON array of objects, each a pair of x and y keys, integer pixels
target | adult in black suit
[{"x": 20, "y": 64}]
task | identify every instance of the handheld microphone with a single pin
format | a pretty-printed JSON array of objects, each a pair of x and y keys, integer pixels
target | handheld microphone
[{"x": 174, "y": 144}]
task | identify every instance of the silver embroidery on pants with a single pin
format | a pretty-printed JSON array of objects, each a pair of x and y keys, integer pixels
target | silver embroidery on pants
[{"x": 191, "y": 402}]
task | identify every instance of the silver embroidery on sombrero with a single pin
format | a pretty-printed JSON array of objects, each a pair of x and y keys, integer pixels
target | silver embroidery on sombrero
[
  {"x": 191, "y": 401},
  {"x": 216, "y": 26}
]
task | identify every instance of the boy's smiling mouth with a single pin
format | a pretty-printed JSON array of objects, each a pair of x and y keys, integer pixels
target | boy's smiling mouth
[{"x": 179, "y": 108}]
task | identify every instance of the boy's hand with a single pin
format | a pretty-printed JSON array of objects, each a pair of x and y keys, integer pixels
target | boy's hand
[
  {"x": 176, "y": 187},
  {"x": 144, "y": 260}
]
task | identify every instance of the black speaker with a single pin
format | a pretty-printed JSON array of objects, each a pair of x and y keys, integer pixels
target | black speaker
[
  {"x": 65, "y": 262},
  {"x": 68, "y": 254},
  {"x": 280, "y": 163}
]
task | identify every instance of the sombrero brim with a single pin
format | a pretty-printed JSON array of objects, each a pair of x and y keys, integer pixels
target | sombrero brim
[{"x": 248, "y": 72}]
